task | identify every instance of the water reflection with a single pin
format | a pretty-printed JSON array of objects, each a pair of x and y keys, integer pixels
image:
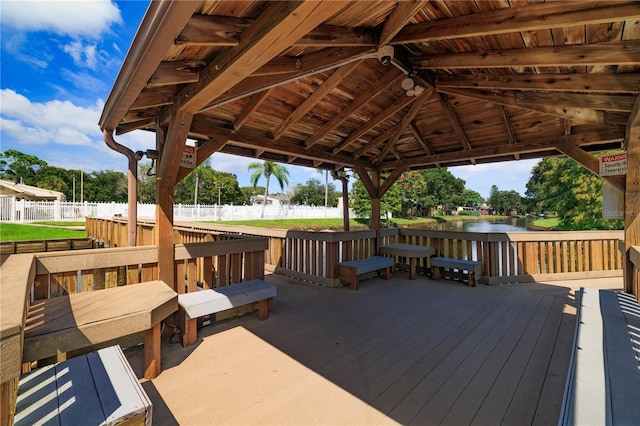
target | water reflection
[{"x": 514, "y": 224}]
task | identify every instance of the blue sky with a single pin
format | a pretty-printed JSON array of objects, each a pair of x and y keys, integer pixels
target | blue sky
[{"x": 59, "y": 60}]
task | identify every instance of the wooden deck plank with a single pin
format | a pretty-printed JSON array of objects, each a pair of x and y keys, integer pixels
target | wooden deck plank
[{"x": 394, "y": 352}]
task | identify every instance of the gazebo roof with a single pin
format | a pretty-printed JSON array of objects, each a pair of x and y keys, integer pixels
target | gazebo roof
[{"x": 322, "y": 84}]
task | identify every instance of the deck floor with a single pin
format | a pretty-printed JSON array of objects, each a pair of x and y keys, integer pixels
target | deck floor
[{"x": 398, "y": 351}]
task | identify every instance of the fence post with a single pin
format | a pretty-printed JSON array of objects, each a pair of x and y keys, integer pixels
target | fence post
[{"x": 56, "y": 210}]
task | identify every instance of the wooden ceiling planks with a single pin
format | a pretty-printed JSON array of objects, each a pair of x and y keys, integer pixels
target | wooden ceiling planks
[{"x": 505, "y": 73}]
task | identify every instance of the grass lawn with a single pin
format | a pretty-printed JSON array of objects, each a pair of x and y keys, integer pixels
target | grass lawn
[
  {"x": 549, "y": 224},
  {"x": 51, "y": 223},
  {"x": 16, "y": 232}
]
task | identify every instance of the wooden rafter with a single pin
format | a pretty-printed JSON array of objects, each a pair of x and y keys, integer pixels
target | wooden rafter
[
  {"x": 307, "y": 65},
  {"x": 249, "y": 108},
  {"x": 211, "y": 30},
  {"x": 391, "y": 179},
  {"x": 318, "y": 94},
  {"x": 608, "y": 83},
  {"x": 374, "y": 144},
  {"x": 588, "y": 115},
  {"x": 509, "y": 126},
  {"x": 400, "y": 16},
  {"x": 379, "y": 118},
  {"x": 406, "y": 121},
  {"x": 512, "y": 19},
  {"x": 633, "y": 122},
  {"x": 171, "y": 73},
  {"x": 380, "y": 86},
  {"x": 589, "y": 162},
  {"x": 267, "y": 37},
  {"x": 453, "y": 119},
  {"x": 615, "y": 53},
  {"x": 256, "y": 140},
  {"x": 371, "y": 186},
  {"x": 606, "y": 135}
]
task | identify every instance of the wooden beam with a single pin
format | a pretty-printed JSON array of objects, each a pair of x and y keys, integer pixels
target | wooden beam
[
  {"x": 590, "y": 163},
  {"x": 589, "y": 83},
  {"x": 375, "y": 121},
  {"x": 406, "y": 121},
  {"x": 380, "y": 86},
  {"x": 587, "y": 115},
  {"x": 615, "y": 53},
  {"x": 453, "y": 119},
  {"x": 390, "y": 180},
  {"x": 397, "y": 19},
  {"x": 168, "y": 164},
  {"x": 634, "y": 118},
  {"x": 211, "y": 30},
  {"x": 507, "y": 122},
  {"x": 518, "y": 19},
  {"x": 170, "y": 73},
  {"x": 263, "y": 142},
  {"x": 317, "y": 95},
  {"x": 606, "y": 135},
  {"x": 301, "y": 67},
  {"x": 250, "y": 107},
  {"x": 420, "y": 138},
  {"x": 370, "y": 146},
  {"x": 266, "y": 38}
]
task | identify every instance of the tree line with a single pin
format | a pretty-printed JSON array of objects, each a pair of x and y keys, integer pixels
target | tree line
[{"x": 558, "y": 187}]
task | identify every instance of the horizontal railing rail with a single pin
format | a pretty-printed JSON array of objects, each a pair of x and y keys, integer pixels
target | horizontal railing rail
[{"x": 506, "y": 257}]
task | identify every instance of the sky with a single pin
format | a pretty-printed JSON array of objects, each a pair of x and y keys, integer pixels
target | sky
[{"x": 58, "y": 62}]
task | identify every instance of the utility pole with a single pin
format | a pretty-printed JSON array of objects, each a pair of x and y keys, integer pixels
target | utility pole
[
  {"x": 195, "y": 192},
  {"x": 220, "y": 186}
]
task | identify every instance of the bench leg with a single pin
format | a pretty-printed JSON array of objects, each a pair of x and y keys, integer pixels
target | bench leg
[
  {"x": 435, "y": 272},
  {"x": 152, "y": 352},
  {"x": 386, "y": 273},
  {"x": 472, "y": 279},
  {"x": 412, "y": 268},
  {"x": 263, "y": 308},
  {"x": 190, "y": 334}
]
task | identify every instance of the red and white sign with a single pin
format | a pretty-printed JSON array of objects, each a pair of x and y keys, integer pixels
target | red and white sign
[
  {"x": 615, "y": 164},
  {"x": 188, "y": 157}
]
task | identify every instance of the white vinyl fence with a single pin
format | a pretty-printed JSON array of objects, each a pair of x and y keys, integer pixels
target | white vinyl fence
[{"x": 25, "y": 211}]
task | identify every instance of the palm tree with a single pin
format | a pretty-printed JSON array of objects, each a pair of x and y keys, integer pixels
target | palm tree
[
  {"x": 326, "y": 186},
  {"x": 268, "y": 168}
]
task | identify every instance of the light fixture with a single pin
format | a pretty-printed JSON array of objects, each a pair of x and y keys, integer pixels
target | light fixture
[
  {"x": 385, "y": 54},
  {"x": 152, "y": 154},
  {"x": 408, "y": 83}
]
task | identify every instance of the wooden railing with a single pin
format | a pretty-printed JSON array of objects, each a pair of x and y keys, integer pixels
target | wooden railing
[
  {"x": 506, "y": 257},
  {"x": 224, "y": 260}
]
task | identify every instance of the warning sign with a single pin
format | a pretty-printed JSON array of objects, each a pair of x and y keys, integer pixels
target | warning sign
[
  {"x": 611, "y": 165},
  {"x": 188, "y": 157}
]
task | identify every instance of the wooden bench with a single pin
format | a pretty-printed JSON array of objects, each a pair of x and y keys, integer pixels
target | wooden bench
[
  {"x": 603, "y": 382},
  {"x": 207, "y": 302},
  {"x": 472, "y": 267},
  {"x": 351, "y": 270},
  {"x": 98, "y": 388},
  {"x": 85, "y": 321}
]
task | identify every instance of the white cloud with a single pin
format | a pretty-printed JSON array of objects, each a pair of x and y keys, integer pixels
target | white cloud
[
  {"x": 76, "y": 18},
  {"x": 84, "y": 55}
]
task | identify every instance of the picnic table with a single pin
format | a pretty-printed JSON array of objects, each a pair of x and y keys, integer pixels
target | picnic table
[{"x": 410, "y": 251}]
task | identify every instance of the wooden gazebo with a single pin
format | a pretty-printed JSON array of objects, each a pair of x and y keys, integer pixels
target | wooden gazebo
[{"x": 381, "y": 88}]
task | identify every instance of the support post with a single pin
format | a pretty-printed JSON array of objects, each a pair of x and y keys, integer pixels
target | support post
[{"x": 632, "y": 197}]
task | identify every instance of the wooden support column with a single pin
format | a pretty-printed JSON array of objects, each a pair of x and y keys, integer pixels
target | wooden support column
[
  {"x": 376, "y": 191},
  {"x": 632, "y": 196}
]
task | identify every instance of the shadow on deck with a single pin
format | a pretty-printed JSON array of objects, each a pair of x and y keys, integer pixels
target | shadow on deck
[{"x": 399, "y": 351}]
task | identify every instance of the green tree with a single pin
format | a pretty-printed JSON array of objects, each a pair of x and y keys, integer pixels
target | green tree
[
  {"x": 562, "y": 187},
  {"x": 472, "y": 198},
  {"x": 503, "y": 202},
  {"x": 106, "y": 186},
  {"x": 18, "y": 167},
  {"x": 313, "y": 193},
  {"x": 268, "y": 168},
  {"x": 390, "y": 203}
]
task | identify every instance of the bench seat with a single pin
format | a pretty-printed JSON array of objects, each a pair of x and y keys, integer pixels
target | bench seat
[
  {"x": 351, "y": 270},
  {"x": 85, "y": 320},
  {"x": 473, "y": 268},
  {"x": 98, "y": 388},
  {"x": 206, "y": 302},
  {"x": 603, "y": 382}
]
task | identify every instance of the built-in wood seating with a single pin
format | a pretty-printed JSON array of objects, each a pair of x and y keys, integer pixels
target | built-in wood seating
[
  {"x": 84, "y": 321},
  {"x": 603, "y": 382},
  {"x": 98, "y": 388},
  {"x": 472, "y": 268},
  {"x": 351, "y": 270},
  {"x": 207, "y": 302}
]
